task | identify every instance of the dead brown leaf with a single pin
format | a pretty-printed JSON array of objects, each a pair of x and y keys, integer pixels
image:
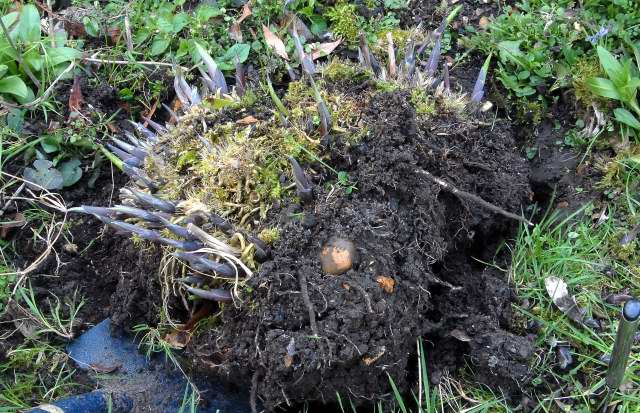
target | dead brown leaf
[
  {"x": 246, "y": 12},
  {"x": 75, "y": 99},
  {"x": 16, "y": 221},
  {"x": 288, "y": 360},
  {"x": 114, "y": 34},
  {"x": 275, "y": 43},
  {"x": 324, "y": 49},
  {"x": 235, "y": 32},
  {"x": 386, "y": 283},
  {"x": 177, "y": 339},
  {"x": 247, "y": 120},
  {"x": 104, "y": 368}
]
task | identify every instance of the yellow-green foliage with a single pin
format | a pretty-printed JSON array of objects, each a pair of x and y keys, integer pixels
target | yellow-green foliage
[
  {"x": 345, "y": 21},
  {"x": 270, "y": 235},
  {"x": 584, "y": 69},
  {"x": 423, "y": 102}
]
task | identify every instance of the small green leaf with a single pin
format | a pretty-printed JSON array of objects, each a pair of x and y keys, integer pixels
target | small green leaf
[
  {"x": 14, "y": 86},
  {"x": 71, "y": 172},
  {"x": 238, "y": 53},
  {"x": 3, "y": 70},
  {"x": 624, "y": 116},
  {"x": 43, "y": 174},
  {"x": 50, "y": 144},
  {"x": 159, "y": 46},
  {"x": 91, "y": 26},
  {"x": 29, "y": 26},
  {"x": 603, "y": 87}
]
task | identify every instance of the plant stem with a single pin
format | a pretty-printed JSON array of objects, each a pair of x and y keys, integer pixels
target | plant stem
[{"x": 19, "y": 56}]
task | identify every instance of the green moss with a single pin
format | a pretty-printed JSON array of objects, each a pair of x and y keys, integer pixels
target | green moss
[
  {"x": 423, "y": 102},
  {"x": 270, "y": 235},
  {"x": 584, "y": 69},
  {"x": 339, "y": 71},
  {"x": 345, "y": 21}
]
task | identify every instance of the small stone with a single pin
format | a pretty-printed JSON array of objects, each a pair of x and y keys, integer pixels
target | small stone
[
  {"x": 337, "y": 256},
  {"x": 484, "y": 22},
  {"x": 70, "y": 248}
]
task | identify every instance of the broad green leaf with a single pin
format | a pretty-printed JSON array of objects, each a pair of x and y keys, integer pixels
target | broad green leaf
[
  {"x": 71, "y": 172},
  {"x": 9, "y": 20},
  {"x": 603, "y": 87},
  {"x": 611, "y": 66},
  {"x": 159, "y": 46},
  {"x": 60, "y": 55},
  {"x": 29, "y": 25},
  {"x": 510, "y": 52},
  {"x": 207, "y": 11},
  {"x": 624, "y": 116},
  {"x": 318, "y": 24},
  {"x": 15, "y": 86},
  {"x": 3, "y": 70},
  {"x": 15, "y": 119},
  {"x": 44, "y": 174},
  {"x": 238, "y": 53},
  {"x": 34, "y": 59},
  {"x": 180, "y": 20}
]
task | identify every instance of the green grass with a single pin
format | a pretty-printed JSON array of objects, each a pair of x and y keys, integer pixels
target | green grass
[{"x": 588, "y": 258}]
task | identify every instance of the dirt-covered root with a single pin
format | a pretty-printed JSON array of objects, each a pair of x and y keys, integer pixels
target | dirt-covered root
[{"x": 307, "y": 335}]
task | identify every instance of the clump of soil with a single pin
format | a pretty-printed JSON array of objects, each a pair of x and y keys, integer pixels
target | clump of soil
[{"x": 303, "y": 335}]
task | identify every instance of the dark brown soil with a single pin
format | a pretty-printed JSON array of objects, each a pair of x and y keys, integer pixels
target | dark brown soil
[
  {"x": 405, "y": 228},
  {"x": 110, "y": 273}
]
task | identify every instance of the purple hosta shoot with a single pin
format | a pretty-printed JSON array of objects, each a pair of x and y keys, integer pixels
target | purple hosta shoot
[
  {"x": 434, "y": 58},
  {"x": 191, "y": 279},
  {"x": 144, "y": 233},
  {"x": 367, "y": 59},
  {"x": 215, "y": 74},
  {"x": 152, "y": 201},
  {"x": 136, "y": 151},
  {"x": 139, "y": 176},
  {"x": 305, "y": 60},
  {"x": 220, "y": 222},
  {"x": 303, "y": 186},
  {"x": 241, "y": 79},
  {"x": 208, "y": 83},
  {"x": 478, "y": 88},
  {"x": 188, "y": 245},
  {"x": 208, "y": 145},
  {"x": 126, "y": 157},
  {"x": 292, "y": 74},
  {"x": 176, "y": 229},
  {"x": 323, "y": 111},
  {"x": 93, "y": 210},
  {"x": 391, "y": 51},
  {"x": 152, "y": 137},
  {"x": 137, "y": 213},
  {"x": 156, "y": 126},
  {"x": 446, "y": 81},
  {"x": 261, "y": 249},
  {"x": 183, "y": 97},
  {"x": 187, "y": 95},
  {"x": 410, "y": 59},
  {"x": 174, "y": 118},
  {"x": 215, "y": 294},
  {"x": 202, "y": 263}
]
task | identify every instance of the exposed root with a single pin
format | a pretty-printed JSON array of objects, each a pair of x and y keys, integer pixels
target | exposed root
[
  {"x": 307, "y": 302},
  {"x": 473, "y": 198}
]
